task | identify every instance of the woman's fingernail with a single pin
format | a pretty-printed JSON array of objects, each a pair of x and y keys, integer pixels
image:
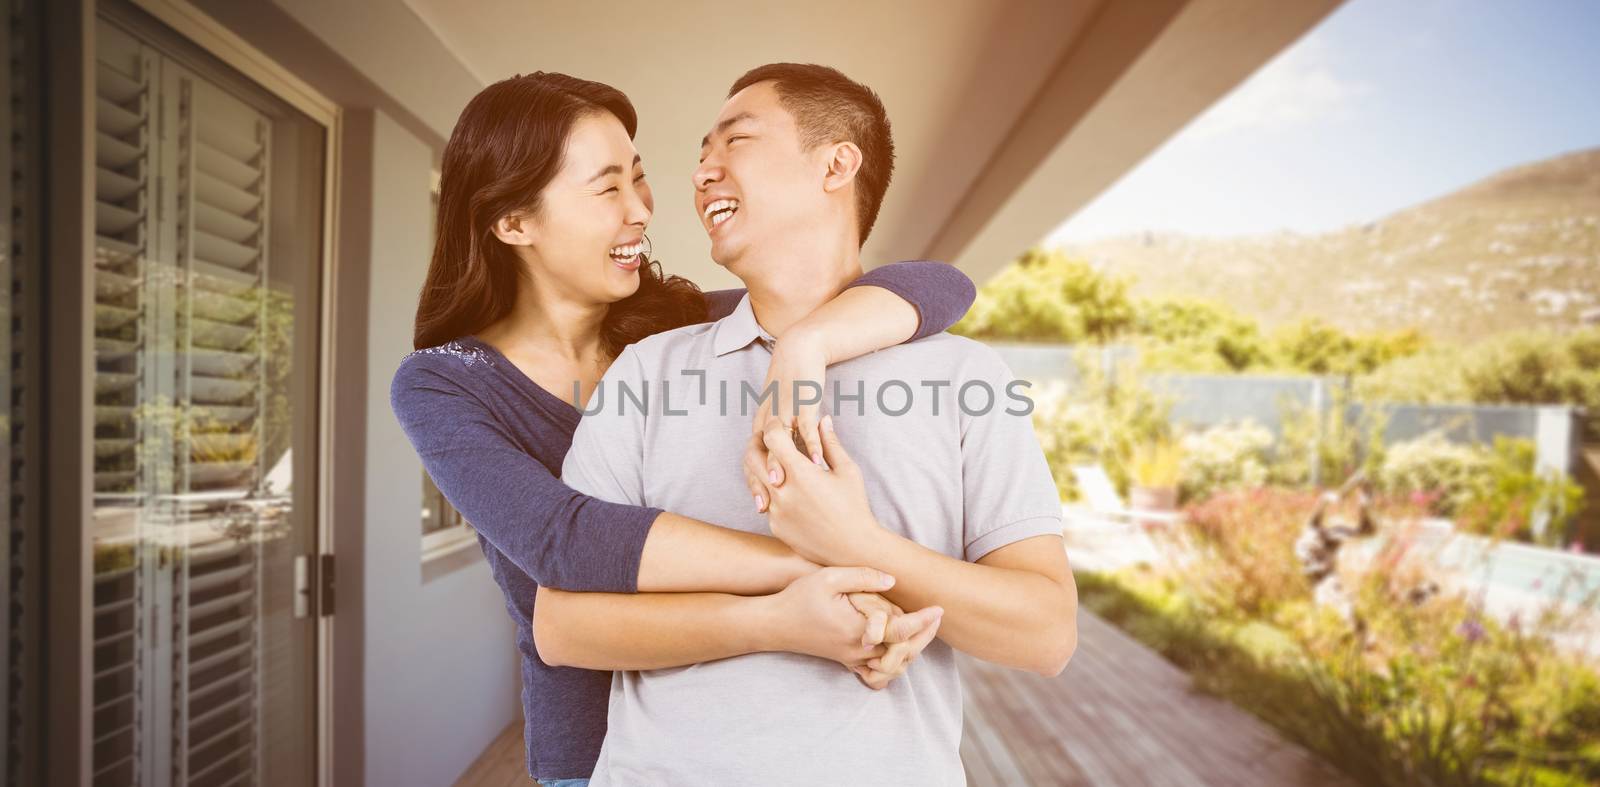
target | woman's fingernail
[
  {"x": 772, "y": 475},
  {"x": 760, "y": 503},
  {"x": 817, "y": 458},
  {"x": 827, "y": 422}
]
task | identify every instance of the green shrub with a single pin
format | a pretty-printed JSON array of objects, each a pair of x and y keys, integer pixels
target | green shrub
[
  {"x": 1521, "y": 367},
  {"x": 1097, "y": 422},
  {"x": 1224, "y": 457},
  {"x": 1491, "y": 491},
  {"x": 1515, "y": 496},
  {"x": 1339, "y": 445}
]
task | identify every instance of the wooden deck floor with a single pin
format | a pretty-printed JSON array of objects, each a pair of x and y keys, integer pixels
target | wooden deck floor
[{"x": 1119, "y": 715}]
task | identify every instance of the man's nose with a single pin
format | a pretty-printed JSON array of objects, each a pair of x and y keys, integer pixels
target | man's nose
[{"x": 707, "y": 173}]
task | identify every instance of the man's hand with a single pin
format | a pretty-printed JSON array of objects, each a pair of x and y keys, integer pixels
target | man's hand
[
  {"x": 821, "y": 514},
  {"x": 904, "y": 636},
  {"x": 798, "y": 358}
]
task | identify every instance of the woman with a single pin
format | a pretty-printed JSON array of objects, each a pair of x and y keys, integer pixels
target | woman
[{"x": 537, "y": 281}]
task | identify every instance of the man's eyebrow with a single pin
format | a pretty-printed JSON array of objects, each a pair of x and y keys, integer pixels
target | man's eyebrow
[
  {"x": 611, "y": 170},
  {"x": 723, "y": 126}
]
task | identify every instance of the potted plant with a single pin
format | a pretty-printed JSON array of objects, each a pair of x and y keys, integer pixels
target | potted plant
[{"x": 1155, "y": 467}]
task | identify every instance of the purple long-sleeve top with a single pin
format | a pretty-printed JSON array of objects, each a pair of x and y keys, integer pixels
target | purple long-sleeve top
[{"x": 493, "y": 441}]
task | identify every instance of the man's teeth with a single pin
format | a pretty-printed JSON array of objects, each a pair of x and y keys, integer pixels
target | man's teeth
[
  {"x": 627, "y": 252},
  {"x": 720, "y": 210}
]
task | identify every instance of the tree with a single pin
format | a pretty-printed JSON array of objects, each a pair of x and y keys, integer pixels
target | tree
[
  {"x": 1047, "y": 296},
  {"x": 1197, "y": 335}
]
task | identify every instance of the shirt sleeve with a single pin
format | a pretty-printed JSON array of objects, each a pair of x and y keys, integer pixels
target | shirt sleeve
[
  {"x": 940, "y": 293},
  {"x": 607, "y": 454},
  {"x": 560, "y": 537},
  {"x": 1009, "y": 492},
  {"x": 721, "y": 303}
]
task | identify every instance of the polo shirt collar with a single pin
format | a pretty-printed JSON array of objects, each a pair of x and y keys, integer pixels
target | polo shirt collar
[{"x": 737, "y": 330}]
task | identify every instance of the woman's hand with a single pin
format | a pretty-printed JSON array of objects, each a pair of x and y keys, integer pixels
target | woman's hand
[
  {"x": 814, "y": 616},
  {"x": 904, "y": 637},
  {"x": 799, "y": 364},
  {"x": 821, "y": 513},
  {"x": 818, "y": 615}
]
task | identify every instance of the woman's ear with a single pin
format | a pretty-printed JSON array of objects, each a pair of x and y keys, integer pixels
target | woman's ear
[
  {"x": 843, "y": 165},
  {"x": 515, "y": 229}
]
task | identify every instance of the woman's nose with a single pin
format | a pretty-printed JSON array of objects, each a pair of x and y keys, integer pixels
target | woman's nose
[{"x": 639, "y": 208}]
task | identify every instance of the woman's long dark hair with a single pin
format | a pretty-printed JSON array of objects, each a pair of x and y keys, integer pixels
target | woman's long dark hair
[{"x": 505, "y": 149}]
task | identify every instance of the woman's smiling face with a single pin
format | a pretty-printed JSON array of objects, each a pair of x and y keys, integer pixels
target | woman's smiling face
[{"x": 585, "y": 240}]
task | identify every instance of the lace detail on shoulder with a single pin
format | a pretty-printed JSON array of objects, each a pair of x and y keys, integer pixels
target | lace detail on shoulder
[{"x": 468, "y": 355}]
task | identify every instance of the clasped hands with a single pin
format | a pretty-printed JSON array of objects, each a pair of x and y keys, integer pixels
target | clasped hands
[{"x": 816, "y": 503}]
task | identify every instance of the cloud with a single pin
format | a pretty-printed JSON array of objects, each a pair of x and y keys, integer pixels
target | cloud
[{"x": 1300, "y": 86}]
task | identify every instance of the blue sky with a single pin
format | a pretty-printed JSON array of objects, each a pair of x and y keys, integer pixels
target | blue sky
[{"x": 1385, "y": 104}]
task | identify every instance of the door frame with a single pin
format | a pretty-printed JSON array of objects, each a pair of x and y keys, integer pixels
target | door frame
[{"x": 69, "y": 129}]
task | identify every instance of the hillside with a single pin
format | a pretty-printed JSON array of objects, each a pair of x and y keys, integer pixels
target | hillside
[{"x": 1520, "y": 248}]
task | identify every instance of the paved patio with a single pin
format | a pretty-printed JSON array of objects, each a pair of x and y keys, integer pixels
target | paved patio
[{"x": 1119, "y": 715}]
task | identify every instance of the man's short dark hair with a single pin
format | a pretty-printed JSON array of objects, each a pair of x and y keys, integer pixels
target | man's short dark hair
[{"x": 830, "y": 107}]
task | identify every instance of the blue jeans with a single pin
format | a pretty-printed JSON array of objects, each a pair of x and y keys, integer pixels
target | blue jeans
[{"x": 564, "y": 783}]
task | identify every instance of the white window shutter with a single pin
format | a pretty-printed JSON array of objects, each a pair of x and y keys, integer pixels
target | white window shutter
[
  {"x": 124, "y": 172},
  {"x": 222, "y": 207}
]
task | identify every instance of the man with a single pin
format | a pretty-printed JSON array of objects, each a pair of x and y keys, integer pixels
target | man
[{"x": 967, "y": 516}]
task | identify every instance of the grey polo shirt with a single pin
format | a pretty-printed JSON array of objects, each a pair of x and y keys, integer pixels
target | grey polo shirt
[{"x": 947, "y": 472}]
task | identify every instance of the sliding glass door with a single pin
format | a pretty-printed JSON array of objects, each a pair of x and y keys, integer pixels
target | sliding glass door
[{"x": 206, "y": 267}]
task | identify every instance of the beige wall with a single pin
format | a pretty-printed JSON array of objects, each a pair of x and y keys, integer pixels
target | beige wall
[{"x": 441, "y": 676}]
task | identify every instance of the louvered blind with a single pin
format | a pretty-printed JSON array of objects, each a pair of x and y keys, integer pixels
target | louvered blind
[
  {"x": 222, "y": 171},
  {"x": 181, "y": 227},
  {"x": 124, "y": 197}
]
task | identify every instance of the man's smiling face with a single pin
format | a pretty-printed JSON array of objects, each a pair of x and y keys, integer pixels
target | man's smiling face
[{"x": 754, "y": 180}]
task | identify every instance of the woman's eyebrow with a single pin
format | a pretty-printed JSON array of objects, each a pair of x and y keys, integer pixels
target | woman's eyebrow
[{"x": 611, "y": 170}]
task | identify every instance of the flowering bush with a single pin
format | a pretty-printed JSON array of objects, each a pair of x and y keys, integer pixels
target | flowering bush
[
  {"x": 1459, "y": 473},
  {"x": 1223, "y": 457},
  {"x": 1244, "y": 545}
]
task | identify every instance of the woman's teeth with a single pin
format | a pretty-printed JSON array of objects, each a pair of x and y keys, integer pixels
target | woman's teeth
[
  {"x": 626, "y": 253},
  {"x": 721, "y": 210}
]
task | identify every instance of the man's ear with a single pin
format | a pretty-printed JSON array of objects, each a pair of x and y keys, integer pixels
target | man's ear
[
  {"x": 515, "y": 229},
  {"x": 843, "y": 165}
]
